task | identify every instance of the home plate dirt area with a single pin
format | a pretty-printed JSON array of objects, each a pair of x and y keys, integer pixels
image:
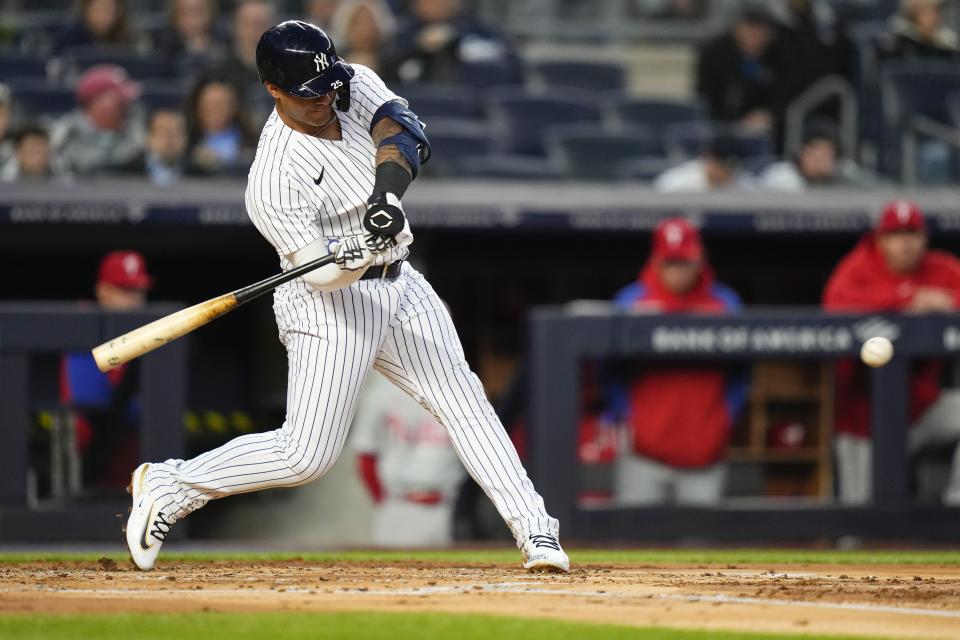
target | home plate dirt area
[{"x": 917, "y": 601}]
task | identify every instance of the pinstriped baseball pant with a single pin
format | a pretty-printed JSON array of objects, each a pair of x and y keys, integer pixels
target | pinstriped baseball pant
[{"x": 400, "y": 327}]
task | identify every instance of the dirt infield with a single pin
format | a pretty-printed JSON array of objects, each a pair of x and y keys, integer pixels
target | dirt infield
[{"x": 917, "y": 601}]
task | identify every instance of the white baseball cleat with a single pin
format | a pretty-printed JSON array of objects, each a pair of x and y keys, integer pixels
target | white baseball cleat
[
  {"x": 147, "y": 527},
  {"x": 542, "y": 553}
]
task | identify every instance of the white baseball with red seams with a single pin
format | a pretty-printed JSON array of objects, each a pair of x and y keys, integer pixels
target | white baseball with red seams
[
  {"x": 876, "y": 351},
  {"x": 302, "y": 189}
]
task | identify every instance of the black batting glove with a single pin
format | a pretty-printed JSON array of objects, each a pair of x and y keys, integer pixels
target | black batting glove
[{"x": 384, "y": 215}]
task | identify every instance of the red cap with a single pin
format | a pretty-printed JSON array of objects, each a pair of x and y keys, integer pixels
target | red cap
[
  {"x": 901, "y": 215},
  {"x": 677, "y": 239},
  {"x": 106, "y": 77},
  {"x": 126, "y": 269}
]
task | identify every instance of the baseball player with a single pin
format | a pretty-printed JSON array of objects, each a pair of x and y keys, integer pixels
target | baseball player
[
  {"x": 409, "y": 466},
  {"x": 333, "y": 161}
]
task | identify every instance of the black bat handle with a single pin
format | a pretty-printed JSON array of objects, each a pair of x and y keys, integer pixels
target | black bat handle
[{"x": 257, "y": 289}]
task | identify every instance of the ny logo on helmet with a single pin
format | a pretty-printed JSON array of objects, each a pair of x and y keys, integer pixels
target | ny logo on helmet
[{"x": 321, "y": 61}]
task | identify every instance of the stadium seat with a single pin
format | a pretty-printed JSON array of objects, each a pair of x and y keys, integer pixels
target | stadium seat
[
  {"x": 37, "y": 98},
  {"x": 487, "y": 75},
  {"x": 686, "y": 140},
  {"x": 18, "y": 65},
  {"x": 452, "y": 140},
  {"x": 644, "y": 168},
  {"x": 442, "y": 102},
  {"x": 655, "y": 112},
  {"x": 508, "y": 166},
  {"x": 913, "y": 91},
  {"x": 589, "y": 76},
  {"x": 521, "y": 118},
  {"x": 593, "y": 153},
  {"x": 139, "y": 67}
]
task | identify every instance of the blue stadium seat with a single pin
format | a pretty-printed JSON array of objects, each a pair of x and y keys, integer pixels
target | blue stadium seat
[
  {"x": 655, "y": 112},
  {"x": 508, "y": 166},
  {"x": 589, "y": 76},
  {"x": 918, "y": 88},
  {"x": 594, "y": 153},
  {"x": 643, "y": 168},
  {"x": 136, "y": 66},
  {"x": 452, "y": 140},
  {"x": 18, "y": 65},
  {"x": 442, "y": 102},
  {"x": 521, "y": 118},
  {"x": 912, "y": 90},
  {"x": 487, "y": 75},
  {"x": 37, "y": 98},
  {"x": 686, "y": 140}
]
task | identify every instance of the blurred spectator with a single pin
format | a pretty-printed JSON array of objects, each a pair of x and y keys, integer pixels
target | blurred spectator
[
  {"x": 320, "y": 13},
  {"x": 917, "y": 32},
  {"x": 105, "y": 405},
  {"x": 31, "y": 160},
  {"x": 250, "y": 19},
  {"x": 361, "y": 29},
  {"x": 719, "y": 166},
  {"x": 679, "y": 417},
  {"x": 891, "y": 269},
  {"x": 811, "y": 43},
  {"x": 105, "y": 132},
  {"x": 439, "y": 40},
  {"x": 6, "y": 109},
  {"x": 220, "y": 135},
  {"x": 100, "y": 22},
  {"x": 191, "y": 30},
  {"x": 409, "y": 466},
  {"x": 815, "y": 164},
  {"x": 735, "y": 72},
  {"x": 163, "y": 162}
]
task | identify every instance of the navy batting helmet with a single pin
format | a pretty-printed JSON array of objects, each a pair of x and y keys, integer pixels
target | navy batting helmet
[{"x": 300, "y": 58}]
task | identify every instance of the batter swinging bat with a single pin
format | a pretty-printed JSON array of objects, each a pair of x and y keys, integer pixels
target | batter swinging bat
[{"x": 145, "y": 339}]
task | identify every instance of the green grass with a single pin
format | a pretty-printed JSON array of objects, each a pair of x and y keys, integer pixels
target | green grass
[
  {"x": 510, "y": 556},
  {"x": 327, "y": 626}
]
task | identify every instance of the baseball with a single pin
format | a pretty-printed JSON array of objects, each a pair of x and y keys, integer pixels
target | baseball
[{"x": 876, "y": 352}]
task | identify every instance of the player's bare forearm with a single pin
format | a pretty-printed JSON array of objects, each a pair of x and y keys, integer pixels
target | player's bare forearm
[{"x": 389, "y": 152}]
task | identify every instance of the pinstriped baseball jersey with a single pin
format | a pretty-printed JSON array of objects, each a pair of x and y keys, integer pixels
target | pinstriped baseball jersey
[{"x": 301, "y": 189}]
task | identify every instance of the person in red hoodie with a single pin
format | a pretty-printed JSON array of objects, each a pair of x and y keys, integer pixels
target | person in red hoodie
[
  {"x": 891, "y": 269},
  {"x": 679, "y": 416}
]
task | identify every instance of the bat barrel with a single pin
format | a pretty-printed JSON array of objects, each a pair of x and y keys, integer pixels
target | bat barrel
[{"x": 145, "y": 339}]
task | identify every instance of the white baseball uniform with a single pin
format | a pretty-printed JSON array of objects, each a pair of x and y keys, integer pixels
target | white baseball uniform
[
  {"x": 301, "y": 189},
  {"x": 418, "y": 468}
]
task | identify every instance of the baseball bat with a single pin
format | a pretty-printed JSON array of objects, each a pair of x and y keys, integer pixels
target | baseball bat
[{"x": 154, "y": 335}]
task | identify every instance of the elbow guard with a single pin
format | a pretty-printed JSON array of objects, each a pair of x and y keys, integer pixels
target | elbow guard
[{"x": 412, "y": 141}]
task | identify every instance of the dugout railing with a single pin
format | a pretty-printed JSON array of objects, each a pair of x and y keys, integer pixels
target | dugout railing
[
  {"x": 562, "y": 338},
  {"x": 29, "y": 330}
]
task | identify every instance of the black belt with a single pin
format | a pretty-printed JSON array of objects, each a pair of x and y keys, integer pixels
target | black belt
[{"x": 388, "y": 271}]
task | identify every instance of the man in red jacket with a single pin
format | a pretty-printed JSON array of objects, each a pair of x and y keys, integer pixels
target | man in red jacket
[
  {"x": 891, "y": 269},
  {"x": 679, "y": 416}
]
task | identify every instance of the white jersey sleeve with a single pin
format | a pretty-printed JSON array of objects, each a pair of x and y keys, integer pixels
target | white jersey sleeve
[
  {"x": 367, "y": 94},
  {"x": 282, "y": 210}
]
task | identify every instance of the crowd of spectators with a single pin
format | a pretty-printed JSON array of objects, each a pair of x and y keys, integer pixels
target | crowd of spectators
[{"x": 202, "y": 58}]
